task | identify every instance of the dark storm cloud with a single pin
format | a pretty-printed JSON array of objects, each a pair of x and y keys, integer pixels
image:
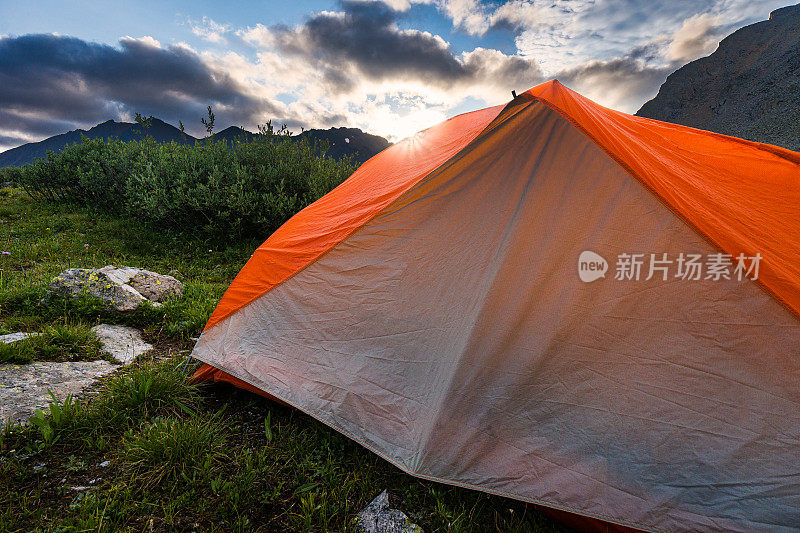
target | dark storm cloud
[
  {"x": 48, "y": 82},
  {"x": 365, "y": 41}
]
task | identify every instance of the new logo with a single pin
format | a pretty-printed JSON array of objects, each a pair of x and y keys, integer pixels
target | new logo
[{"x": 591, "y": 266}]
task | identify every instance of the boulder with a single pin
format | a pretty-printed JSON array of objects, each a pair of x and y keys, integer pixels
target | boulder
[
  {"x": 378, "y": 517},
  {"x": 156, "y": 287},
  {"x": 122, "y": 288}
]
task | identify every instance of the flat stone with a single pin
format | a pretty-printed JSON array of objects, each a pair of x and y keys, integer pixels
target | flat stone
[
  {"x": 24, "y": 388},
  {"x": 123, "y": 343},
  {"x": 378, "y": 517},
  {"x": 14, "y": 337}
]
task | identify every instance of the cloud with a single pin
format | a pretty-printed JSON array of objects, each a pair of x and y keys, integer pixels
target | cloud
[
  {"x": 210, "y": 30},
  {"x": 622, "y": 83},
  {"x": 364, "y": 65},
  {"x": 698, "y": 36},
  {"x": 364, "y": 42},
  {"x": 50, "y": 83}
]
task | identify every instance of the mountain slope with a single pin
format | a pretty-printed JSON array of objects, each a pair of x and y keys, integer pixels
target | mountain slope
[
  {"x": 749, "y": 87},
  {"x": 343, "y": 141},
  {"x": 126, "y": 131}
]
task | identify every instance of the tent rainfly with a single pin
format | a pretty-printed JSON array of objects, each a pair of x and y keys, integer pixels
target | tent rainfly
[{"x": 551, "y": 301}]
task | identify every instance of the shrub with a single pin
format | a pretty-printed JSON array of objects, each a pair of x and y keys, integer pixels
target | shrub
[
  {"x": 10, "y": 175},
  {"x": 92, "y": 172},
  {"x": 211, "y": 188}
]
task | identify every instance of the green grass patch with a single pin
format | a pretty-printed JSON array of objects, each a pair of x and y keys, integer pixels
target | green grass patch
[
  {"x": 169, "y": 450},
  {"x": 58, "y": 342},
  {"x": 43, "y": 239}
]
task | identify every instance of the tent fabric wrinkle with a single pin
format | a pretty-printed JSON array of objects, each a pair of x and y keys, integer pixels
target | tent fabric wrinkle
[{"x": 430, "y": 308}]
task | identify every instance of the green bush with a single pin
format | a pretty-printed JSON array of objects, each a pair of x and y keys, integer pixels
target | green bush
[
  {"x": 211, "y": 188},
  {"x": 10, "y": 174}
]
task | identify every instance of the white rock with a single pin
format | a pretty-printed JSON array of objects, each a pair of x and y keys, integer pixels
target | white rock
[
  {"x": 25, "y": 388},
  {"x": 378, "y": 517},
  {"x": 123, "y": 343},
  {"x": 121, "y": 288},
  {"x": 14, "y": 337}
]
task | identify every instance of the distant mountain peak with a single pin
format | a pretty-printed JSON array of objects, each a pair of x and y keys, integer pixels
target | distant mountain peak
[{"x": 747, "y": 88}]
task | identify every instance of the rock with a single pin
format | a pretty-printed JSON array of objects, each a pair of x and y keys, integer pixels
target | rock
[
  {"x": 76, "y": 281},
  {"x": 122, "y": 288},
  {"x": 24, "y": 388},
  {"x": 378, "y": 517},
  {"x": 156, "y": 287},
  {"x": 14, "y": 337},
  {"x": 123, "y": 343}
]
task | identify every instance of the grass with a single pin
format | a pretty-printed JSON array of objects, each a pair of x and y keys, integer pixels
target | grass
[
  {"x": 152, "y": 452},
  {"x": 56, "y": 342}
]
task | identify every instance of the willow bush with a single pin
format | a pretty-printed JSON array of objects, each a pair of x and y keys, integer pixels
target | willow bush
[{"x": 215, "y": 188}]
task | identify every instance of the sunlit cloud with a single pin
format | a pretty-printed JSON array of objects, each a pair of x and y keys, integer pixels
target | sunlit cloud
[{"x": 210, "y": 30}]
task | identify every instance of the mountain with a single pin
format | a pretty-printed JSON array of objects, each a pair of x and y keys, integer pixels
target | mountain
[
  {"x": 125, "y": 131},
  {"x": 343, "y": 141},
  {"x": 749, "y": 87}
]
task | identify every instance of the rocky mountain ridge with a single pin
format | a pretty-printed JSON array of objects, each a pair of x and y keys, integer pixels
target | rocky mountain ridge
[{"x": 749, "y": 87}]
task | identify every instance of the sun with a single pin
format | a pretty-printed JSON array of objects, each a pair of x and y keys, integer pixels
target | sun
[{"x": 396, "y": 126}]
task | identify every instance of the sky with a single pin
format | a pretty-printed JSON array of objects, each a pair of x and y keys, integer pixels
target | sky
[{"x": 389, "y": 67}]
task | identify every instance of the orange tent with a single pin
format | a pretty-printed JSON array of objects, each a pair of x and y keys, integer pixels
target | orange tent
[{"x": 505, "y": 302}]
